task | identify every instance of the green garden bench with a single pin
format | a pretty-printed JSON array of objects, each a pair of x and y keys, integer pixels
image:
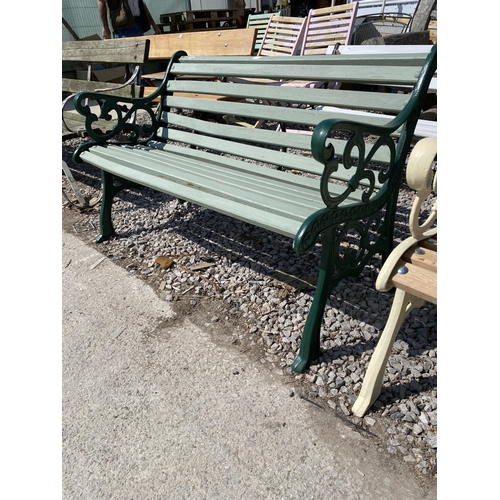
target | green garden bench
[{"x": 338, "y": 186}]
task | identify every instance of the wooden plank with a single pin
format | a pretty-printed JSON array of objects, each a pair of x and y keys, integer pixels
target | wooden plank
[
  {"x": 417, "y": 281},
  {"x": 73, "y": 86},
  {"x": 427, "y": 260},
  {"x": 363, "y": 74},
  {"x": 76, "y": 123},
  {"x": 236, "y": 42},
  {"x": 119, "y": 51},
  {"x": 379, "y": 101}
]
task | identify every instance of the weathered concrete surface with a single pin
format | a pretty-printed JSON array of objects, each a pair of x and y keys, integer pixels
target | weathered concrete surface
[{"x": 153, "y": 407}]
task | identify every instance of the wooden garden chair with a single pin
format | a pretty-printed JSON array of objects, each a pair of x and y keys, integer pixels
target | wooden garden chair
[
  {"x": 328, "y": 26},
  {"x": 260, "y": 22}
]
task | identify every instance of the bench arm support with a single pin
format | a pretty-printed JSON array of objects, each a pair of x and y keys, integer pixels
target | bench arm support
[{"x": 125, "y": 109}]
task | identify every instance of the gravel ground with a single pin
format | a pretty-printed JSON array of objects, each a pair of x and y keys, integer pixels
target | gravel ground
[{"x": 236, "y": 278}]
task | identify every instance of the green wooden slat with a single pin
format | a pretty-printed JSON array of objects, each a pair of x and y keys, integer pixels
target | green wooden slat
[
  {"x": 294, "y": 163},
  {"x": 282, "y": 215},
  {"x": 262, "y": 136},
  {"x": 380, "y": 60},
  {"x": 252, "y": 152},
  {"x": 384, "y": 102},
  {"x": 255, "y": 187},
  {"x": 280, "y": 224},
  {"x": 304, "y": 117},
  {"x": 369, "y": 74}
]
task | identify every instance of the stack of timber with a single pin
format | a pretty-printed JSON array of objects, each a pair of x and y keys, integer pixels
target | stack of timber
[{"x": 198, "y": 20}]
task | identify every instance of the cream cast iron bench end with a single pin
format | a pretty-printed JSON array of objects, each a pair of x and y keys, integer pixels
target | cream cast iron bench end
[{"x": 411, "y": 268}]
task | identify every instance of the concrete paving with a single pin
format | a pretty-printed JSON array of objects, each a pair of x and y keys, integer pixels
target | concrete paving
[{"x": 155, "y": 408}]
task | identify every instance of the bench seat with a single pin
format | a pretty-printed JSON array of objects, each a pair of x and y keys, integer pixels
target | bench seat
[
  {"x": 338, "y": 185},
  {"x": 275, "y": 200}
]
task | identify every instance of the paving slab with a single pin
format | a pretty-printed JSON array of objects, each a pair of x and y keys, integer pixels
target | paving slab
[{"x": 156, "y": 408}]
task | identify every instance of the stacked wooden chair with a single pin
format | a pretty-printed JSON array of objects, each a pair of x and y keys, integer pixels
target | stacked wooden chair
[
  {"x": 260, "y": 22},
  {"x": 328, "y": 26},
  {"x": 283, "y": 36}
]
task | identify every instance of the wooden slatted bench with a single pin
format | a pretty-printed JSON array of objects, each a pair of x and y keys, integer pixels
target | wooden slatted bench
[
  {"x": 411, "y": 269},
  {"x": 89, "y": 53},
  {"x": 339, "y": 186}
]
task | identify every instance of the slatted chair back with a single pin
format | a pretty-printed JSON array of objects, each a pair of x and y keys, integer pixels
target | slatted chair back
[
  {"x": 260, "y": 22},
  {"x": 328, "y": 26},
  {"x": 283, "y": 36}
]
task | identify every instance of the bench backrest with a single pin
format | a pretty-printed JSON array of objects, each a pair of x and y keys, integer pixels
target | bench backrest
[
  {"x": 328, "y": 26},
  {"x": 260, "y": 22},
  {"x": 238, "y": 42},
  {"x": 196, "y": 100},
  {"x": 119, "y": 52},
  {"x": 282, "y": 37}
]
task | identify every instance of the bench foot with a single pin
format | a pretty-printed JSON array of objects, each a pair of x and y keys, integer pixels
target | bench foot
[
  {"x": 402, "y": 305},
  {"x": 108, "y": 192},
  {"x": 310, "y": 343}
]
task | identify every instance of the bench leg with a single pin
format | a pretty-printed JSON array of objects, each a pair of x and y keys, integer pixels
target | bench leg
[
  {"x": 402, "y": 305},
  {"x": 108, "y": 192},
  {"x": 310, "y": 343}
]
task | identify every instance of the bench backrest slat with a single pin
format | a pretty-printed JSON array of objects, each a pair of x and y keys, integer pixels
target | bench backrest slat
[
  {"x": 73, "y": 86},
  {"x": 387, "y": 103},
  {"x": 363, "y": 73},
  {"x": 121, "y": 51},
  {"x": 256, "y": 136}
]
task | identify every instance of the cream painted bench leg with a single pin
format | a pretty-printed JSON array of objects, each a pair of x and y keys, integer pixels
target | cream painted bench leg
[{"x": 402, "y": 305}]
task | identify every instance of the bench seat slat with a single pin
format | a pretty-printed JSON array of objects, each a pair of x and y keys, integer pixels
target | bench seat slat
[
  {"x": 427, "y": 260},
  {"x": 256, "y": 153},
  {"x": 418, "y": 281},
  {"x": 280, "y": 194},
  {"x": 254, "y": 185}
]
